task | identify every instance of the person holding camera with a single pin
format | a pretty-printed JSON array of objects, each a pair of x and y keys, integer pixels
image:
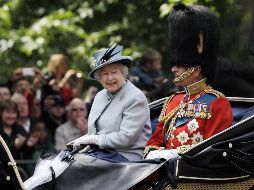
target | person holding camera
[{"x": 58, "y": 79}]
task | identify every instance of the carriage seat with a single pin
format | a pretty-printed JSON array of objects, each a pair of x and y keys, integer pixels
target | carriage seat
[{"x": 240, "y": 114}]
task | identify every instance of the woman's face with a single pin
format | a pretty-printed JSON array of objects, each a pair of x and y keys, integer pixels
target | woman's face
[
  {"x": 111, "y": 77},
  {"x": 62, "y": 68},
  {"x": 40, "y": 128},
  {"x": 9, "y": 117}
]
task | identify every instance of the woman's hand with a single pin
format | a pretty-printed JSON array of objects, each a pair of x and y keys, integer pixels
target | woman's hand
[
  {"x": 84, "y": 140},
  {"x": 53, "y": 83}
]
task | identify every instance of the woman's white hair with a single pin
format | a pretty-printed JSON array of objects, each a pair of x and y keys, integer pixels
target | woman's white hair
[{"x": 124, "y": 70}]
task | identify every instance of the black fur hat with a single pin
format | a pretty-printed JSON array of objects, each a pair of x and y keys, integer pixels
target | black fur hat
[{"x": 194, "y": 38}]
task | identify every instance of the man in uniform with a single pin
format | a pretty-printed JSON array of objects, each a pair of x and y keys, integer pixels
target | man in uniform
[{"x": 199, "y": 112}]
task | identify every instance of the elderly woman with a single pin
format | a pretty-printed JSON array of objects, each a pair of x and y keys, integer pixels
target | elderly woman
[
  {"x": 119, "y": 117},
  {"x": 118, "y": 128}
]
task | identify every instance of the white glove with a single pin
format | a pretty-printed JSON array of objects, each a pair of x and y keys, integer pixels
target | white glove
[
  {"x": 168, "y": 154},
  {"x": 86, "y": 139},
  {"x": 162, "y": 153},
  {"x": 154, "y": 154}
]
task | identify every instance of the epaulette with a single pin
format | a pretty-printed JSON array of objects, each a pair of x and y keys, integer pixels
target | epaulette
[{"x": 214, "y": 92}]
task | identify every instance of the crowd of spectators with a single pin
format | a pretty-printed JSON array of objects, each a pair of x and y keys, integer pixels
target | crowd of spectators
[{"x": 45, "y": 111}]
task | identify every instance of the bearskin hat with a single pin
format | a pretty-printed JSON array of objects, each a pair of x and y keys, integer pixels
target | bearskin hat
[{"x": 194, "y": 38}]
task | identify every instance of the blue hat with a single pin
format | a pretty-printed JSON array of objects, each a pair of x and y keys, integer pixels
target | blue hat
[{"x": 108, "y": 56}]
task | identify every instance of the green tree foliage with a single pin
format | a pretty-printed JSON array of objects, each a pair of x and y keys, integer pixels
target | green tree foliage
[{"x": 33, "y": 30}]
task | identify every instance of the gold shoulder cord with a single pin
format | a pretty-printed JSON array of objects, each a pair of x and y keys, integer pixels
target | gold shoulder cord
[
  {"x": 163, "y": 117},
  {"x": 210, "y": 90}
]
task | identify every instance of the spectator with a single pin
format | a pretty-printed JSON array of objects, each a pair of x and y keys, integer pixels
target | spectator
[
  {"x": 36, "y": 109},
  {"x": 54, "y": 113},
  {"x": 58, "y": 79},
  {"x": 148, "y": 72},
  {"x": 23, "y": 111},
  {"x": 4, "y": 92},
  {"x": 75, "y": 127},
  {"x": 91, "y": 92},
  {"x": 13, "y": 134},
  {"x": 21, "y": 85},
  {"x": 20, "y": 82},
  {"x": 38, "y": 140}
]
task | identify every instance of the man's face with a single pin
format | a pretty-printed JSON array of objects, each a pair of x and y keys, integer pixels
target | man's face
[
  {"x": 77, "y": 110},
  {"x": 22, "y": 86},
  {"x": 4, "y": 93},
  {"x": 22, "y": 106},
  {"x": 156, "y": 65},
  {"x": 56, "y": 110},
  {"x": 194, "y": 77}
]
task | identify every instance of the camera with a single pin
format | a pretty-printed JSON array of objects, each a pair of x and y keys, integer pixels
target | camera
[{"x": 28, "y": 71}]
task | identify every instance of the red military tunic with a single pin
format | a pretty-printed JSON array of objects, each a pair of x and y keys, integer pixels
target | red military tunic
[{"x": 189, "y": 119}]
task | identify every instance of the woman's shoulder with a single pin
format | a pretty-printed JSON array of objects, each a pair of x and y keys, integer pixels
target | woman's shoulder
[
  {"x": 101, "y": 93},
  {"x": 133, "y": 89},
  {"x": 134, "y": 92}
]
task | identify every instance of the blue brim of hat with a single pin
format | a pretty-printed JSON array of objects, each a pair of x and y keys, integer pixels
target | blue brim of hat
[{"x": 125, "y": 60}]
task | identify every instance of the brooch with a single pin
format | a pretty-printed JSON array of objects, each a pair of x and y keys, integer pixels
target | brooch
[
  {"x": 197, "y": 138},
  {"x": 193, "y": 125},
  {"x": 183, "y": 137}
]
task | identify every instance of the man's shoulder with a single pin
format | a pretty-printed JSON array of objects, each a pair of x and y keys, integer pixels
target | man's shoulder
[
  {"x": 176, "y": 96},
  {"x": 215, "y": 93}
]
